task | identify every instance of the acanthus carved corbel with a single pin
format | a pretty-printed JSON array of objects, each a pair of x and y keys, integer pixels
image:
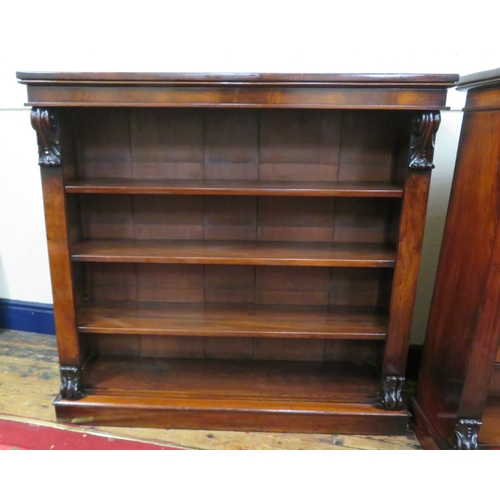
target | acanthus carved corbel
[
  {"x": 71, "y": 382},
  {"x": 466, "y": 434},
  {"x": 423, "y": 136},
  {"x": 45, "y": 123},
  {"x": 392, "y": 392}
]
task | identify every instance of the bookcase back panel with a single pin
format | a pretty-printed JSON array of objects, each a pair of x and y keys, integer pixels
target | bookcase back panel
[
  {"x": 257, "y": 349},
  {"x": 228, "y": 144},
  {"x": 334, "y": 288},
  {"x": 239, "y": 218}
]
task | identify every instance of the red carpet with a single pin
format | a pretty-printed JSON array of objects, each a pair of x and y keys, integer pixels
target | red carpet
[{"x": 18, "y": 435}]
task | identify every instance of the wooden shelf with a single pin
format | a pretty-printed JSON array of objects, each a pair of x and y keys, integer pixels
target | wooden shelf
[
  {"x": 232, "y": 394},
  {"x": 233, "y": 252},
  {"x": 234, "y": 187},
  {"x": 228, "y": 320}
]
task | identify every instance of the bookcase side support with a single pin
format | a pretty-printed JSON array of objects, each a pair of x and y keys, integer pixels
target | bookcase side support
[
  {"x": 411, "y": 229},
  {"x": 46, "y": 123}
]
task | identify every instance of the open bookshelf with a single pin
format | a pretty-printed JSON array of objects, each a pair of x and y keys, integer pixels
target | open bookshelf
[{"x": 236, "y": 252}]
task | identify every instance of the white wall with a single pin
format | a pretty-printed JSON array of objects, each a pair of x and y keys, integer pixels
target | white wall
[{"x": 265, "y": 36}]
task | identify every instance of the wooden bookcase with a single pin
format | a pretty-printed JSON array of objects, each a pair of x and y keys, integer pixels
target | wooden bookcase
[
  {"x": 235, "y": 251},
  {"x": 457, "y": 405}
]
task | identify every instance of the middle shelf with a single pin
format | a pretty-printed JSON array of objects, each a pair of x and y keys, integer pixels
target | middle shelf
[
  {"x": 234, "y": 252},
  {"x": 228, "y": 320}
]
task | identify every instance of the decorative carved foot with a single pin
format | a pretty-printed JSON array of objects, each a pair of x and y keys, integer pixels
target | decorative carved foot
[
  {"x": 423, "y": 138},
  {"x": 44, "y": 121},
  {"x": 466, "y": 434},
  {"x": 392, "y": 387},
  {"x": 71, "y": 382}
]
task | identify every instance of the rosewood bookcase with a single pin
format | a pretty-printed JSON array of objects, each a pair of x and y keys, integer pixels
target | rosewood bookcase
[
  {"x": 235, "y": 251},
  {"x": 458, "y": 394}
]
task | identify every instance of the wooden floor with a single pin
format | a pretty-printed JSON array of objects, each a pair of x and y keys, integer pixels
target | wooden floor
[{"x": 29, "y": 383}]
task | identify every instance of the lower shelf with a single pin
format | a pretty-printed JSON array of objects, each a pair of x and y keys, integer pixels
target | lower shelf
[{"x": 234, "y": 395}]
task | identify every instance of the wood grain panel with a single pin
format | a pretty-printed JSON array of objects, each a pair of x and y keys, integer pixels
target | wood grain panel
[
  {"x": 289, "y": 219},
  {"x": 367, "y": 146},
  {"x": 103, "y": 144},
  {"x": 354, "y": 288},
  {"x": 300, "y": 145},
  {"x": 107, "y": 216},
  {"x": 230, "y": 218},
  {"x": 288, "y": 349},
  {"x": 168, "y": 217},
  {"x": 299, "y": 286},
  {"x": 111, "y": 282},
  {"x": 172, "y": 347},
  {"x": 228, "y": 348},
  {"x": 359, "y": 351},
  {"x": 361, "y": 221},
  {"x": 237, "y": 97},
  {"x": 115, "y": 345},
  {"x": 229, "y": 284},
  {"x": 231, "y": 144},
  {"x": 166, "y": 283},
  {"x": 166, "y": 143}
]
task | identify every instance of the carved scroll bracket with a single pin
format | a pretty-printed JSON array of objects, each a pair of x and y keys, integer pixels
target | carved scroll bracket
[
  {"x": 466, "y": 434},
  {"x": 45, "y": 123},
  {"x": 71, "y": 382},
  {"x": 423, "y": 137},
  {"x": 392, "y": 389}
]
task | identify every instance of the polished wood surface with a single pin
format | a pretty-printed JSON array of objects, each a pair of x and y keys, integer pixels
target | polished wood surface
[
  {"x": 300, "y": 79},
  {"x": 58, "y": 237},
  {"x": 457, "y": 376},
  {"x": 235, "y": 187},
  {"x": 229, "y": 320},
  {"x": 233, "y": 252},
  {"x": 250, "y": 232},
  {"x": 396, "y": 91},
  {"x": 406, "y": 273},
  {"x": 227, "y": 394}
]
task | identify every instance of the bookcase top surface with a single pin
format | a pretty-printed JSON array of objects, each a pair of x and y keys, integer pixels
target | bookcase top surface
[
  {"x": 334, "y": 79},
  {"x": 487, "y": 78},
  {"x": 238, "y": 90}
]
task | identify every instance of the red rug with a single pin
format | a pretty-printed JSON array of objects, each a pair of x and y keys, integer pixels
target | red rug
[{"x": 19, "y": 435}]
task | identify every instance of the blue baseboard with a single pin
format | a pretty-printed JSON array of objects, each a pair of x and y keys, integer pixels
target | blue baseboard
[{"x": 27, "y": 316}]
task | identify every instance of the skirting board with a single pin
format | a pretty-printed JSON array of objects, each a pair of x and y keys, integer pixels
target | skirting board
[{"x": 27, "y": 316}]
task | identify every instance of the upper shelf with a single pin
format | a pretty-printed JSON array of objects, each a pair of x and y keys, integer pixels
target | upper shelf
[
  {"x": 234, "y": 187},
  {"x": 264, "y": 90}
]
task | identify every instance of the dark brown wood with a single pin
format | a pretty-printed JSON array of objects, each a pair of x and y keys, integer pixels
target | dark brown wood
[
  {"x": 329, "y": 91},
  {"x": 229, "y": 320},
  {"x": 233, "y": 395},
  {"x": 235, "y": 187},
  {"x": 45, "y": 123},
  {"x": 456, "y": 383},
  {"x": 55, "y": 205},
  {"x": 71, "y": 382},
  {"x": 236, "y": 251},
  {"x": 296, "y": 79}
]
